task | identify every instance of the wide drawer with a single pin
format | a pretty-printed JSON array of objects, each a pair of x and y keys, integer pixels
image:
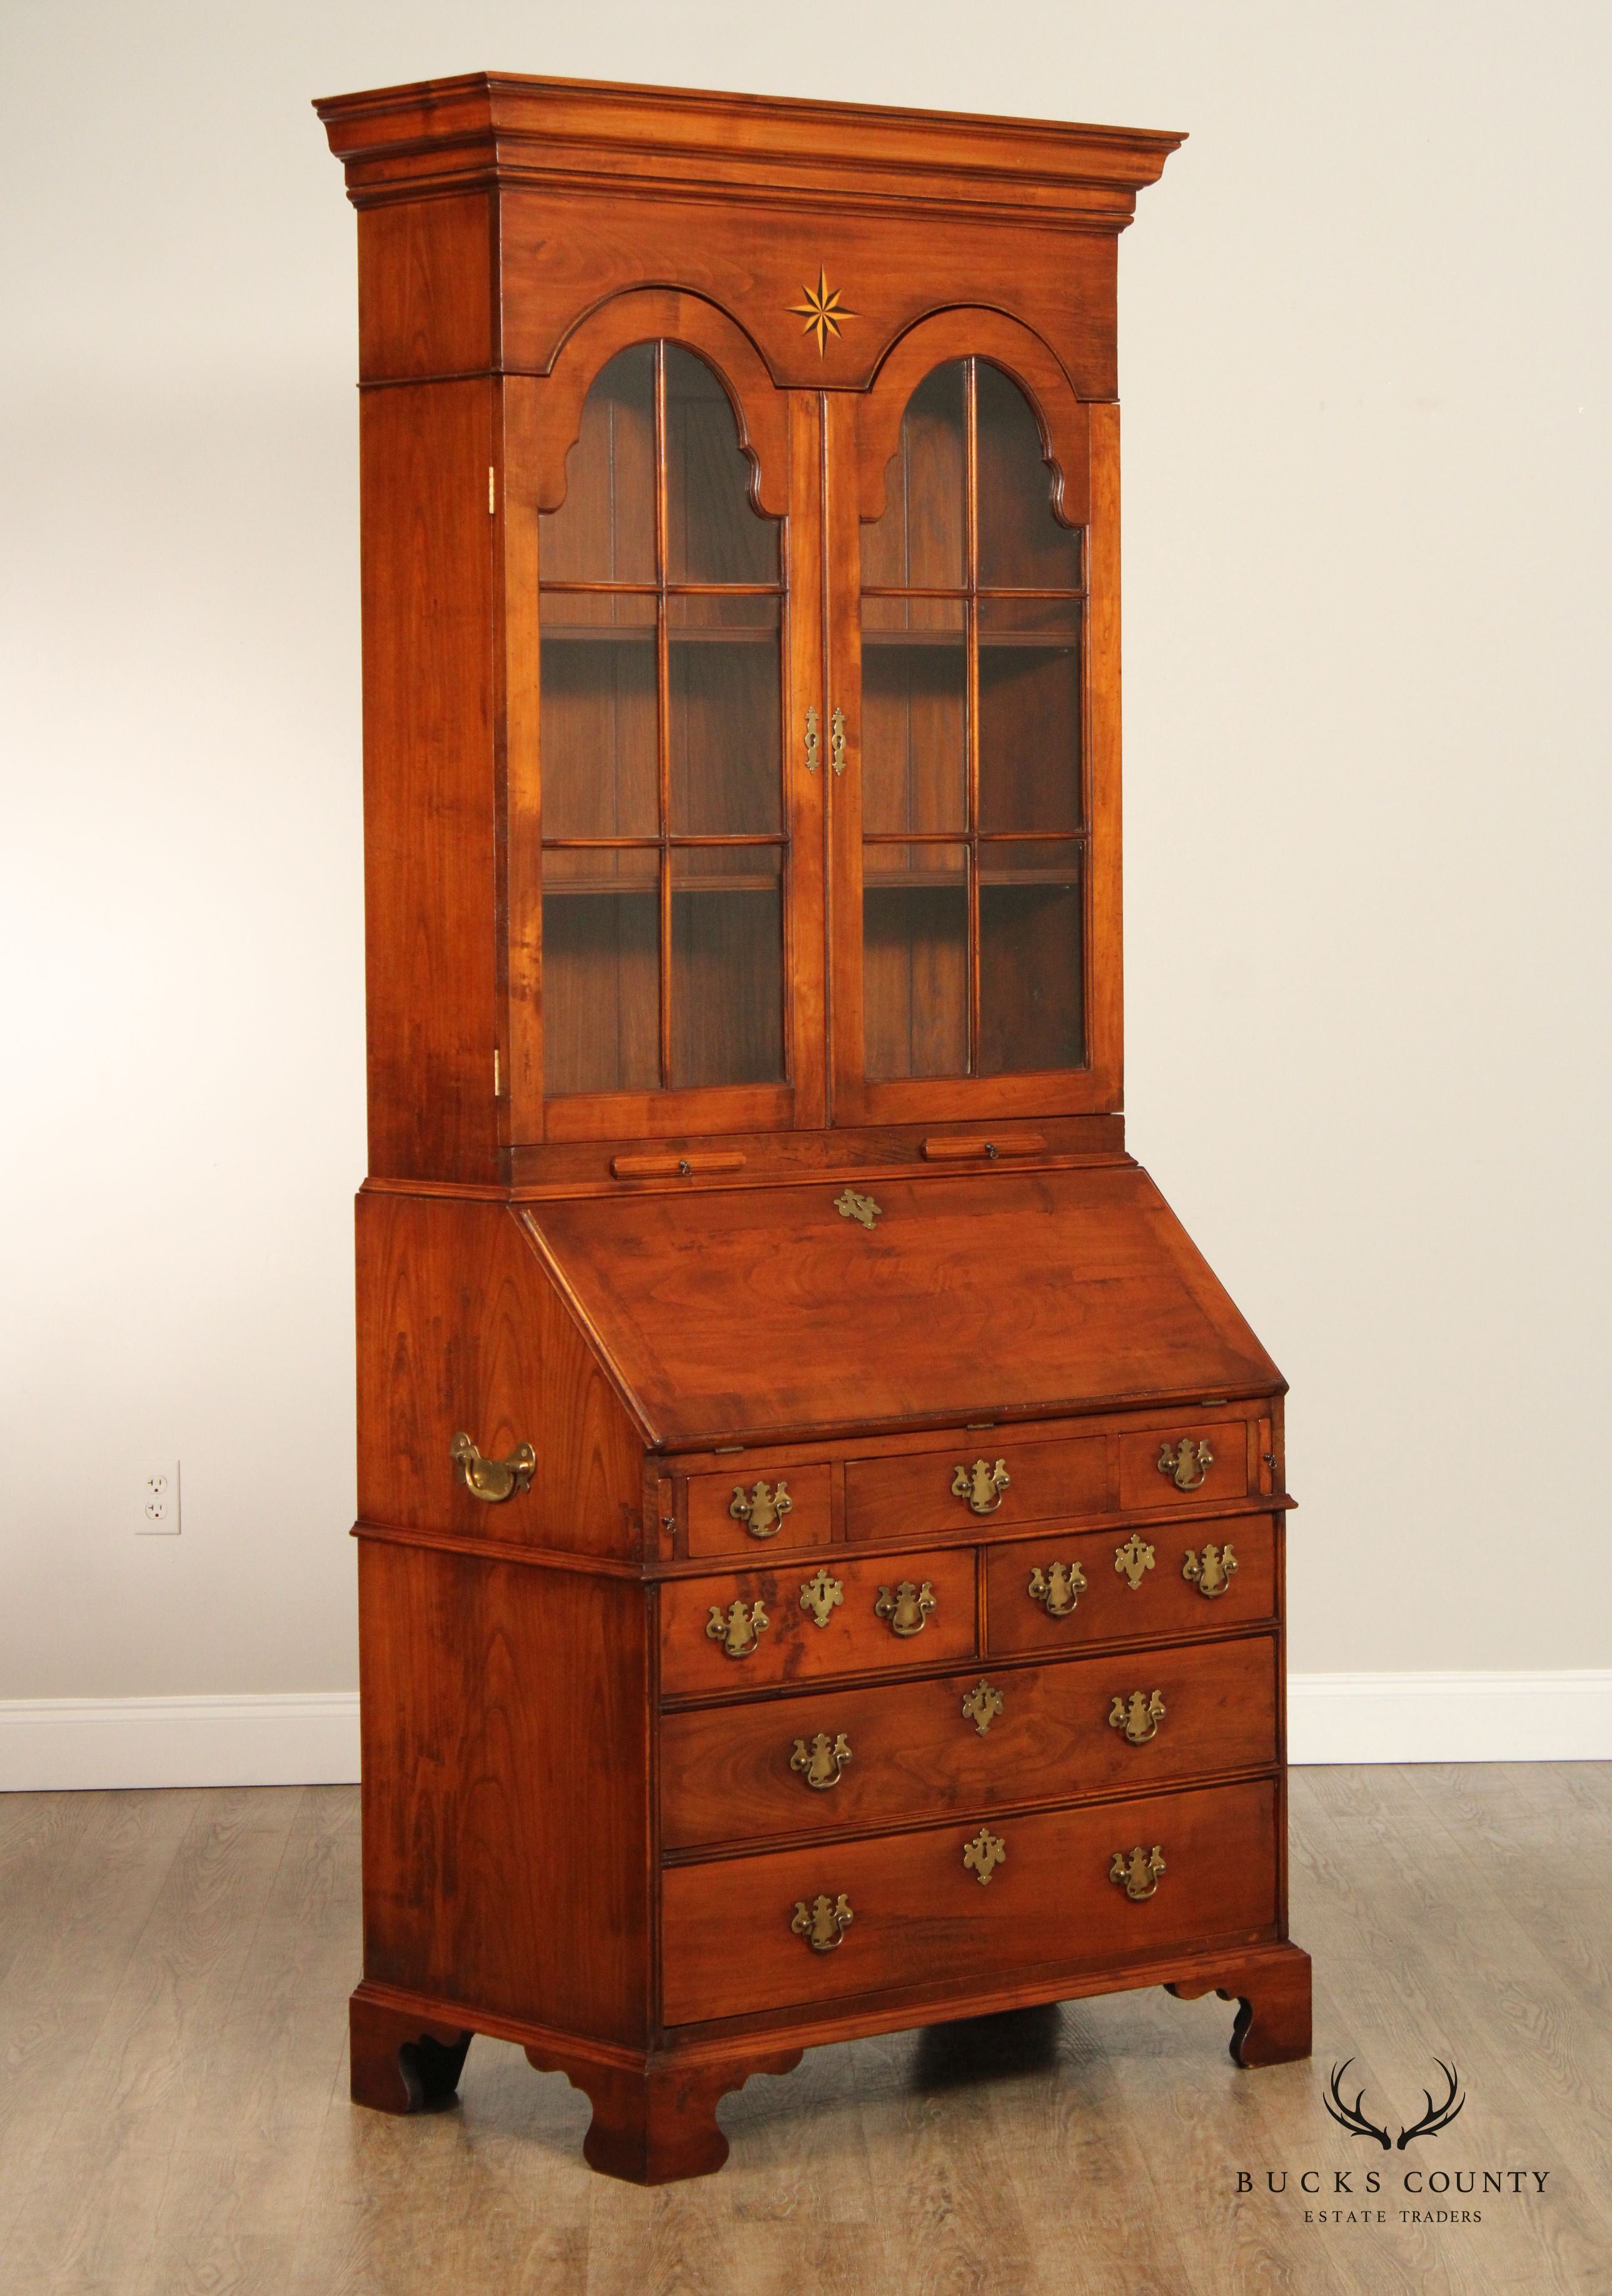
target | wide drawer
[
  {"x": 877, "y": 1755},
  {"x": 982, "y": 1475},
  {"x": 956, "y": 1903},
  {"x": 1185, "y": 1578},
  {"x": 840, "y": 1616}
]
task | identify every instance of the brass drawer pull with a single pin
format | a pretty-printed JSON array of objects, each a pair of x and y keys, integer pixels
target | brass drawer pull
[
  {"x": 821, "y": 1595},
  {"x": 1187, "y": 1465},
  {"x": 1058, "y": 1588},
  {"x": 1213, "y": 1573},
  {"x": 492, "y": 1479},
  {"x": 740, "y": 1629},
  {"x": 907, "y": 1609},
  {"x": 1137, "y": 1871},
  {"x": 982, "y": 1705},
  {"x": 983, "y": 1854},
  {"x": 1138, "y": 1716},
  {"x": 982, "y": 1485},
  {"x": 765, "y": 1509},
  {"x": 824, "y": 1923},
  {"x": 1133, "y": 1558},
  {"x": 820, "y": 1763},
  {"x": 813, "y": 738}
]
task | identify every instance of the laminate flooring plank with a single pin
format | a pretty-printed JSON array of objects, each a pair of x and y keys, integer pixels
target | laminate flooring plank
[
  {"x": 37, "y": 1835},
  {"x": 89, "y": 2218},
  {"x": 1427, "y": 1986},
  {"x": 66, "y": 1974},
  {"x": 799, "y": 2143}
]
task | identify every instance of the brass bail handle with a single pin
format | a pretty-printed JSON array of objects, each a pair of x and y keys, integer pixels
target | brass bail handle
[{"x": 492, "y": 1480}]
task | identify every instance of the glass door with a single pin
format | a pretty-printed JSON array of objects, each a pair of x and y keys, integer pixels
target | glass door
[
  {"x": 665, "y": 836},
  {"x": 969, "y": 976}
]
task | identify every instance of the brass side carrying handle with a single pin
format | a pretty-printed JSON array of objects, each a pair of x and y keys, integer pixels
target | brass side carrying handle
[
  {"x": 492, "y": 1479},
  {"x": 824, "y": 1923},
  {"x": 1137, "y": 1871}
]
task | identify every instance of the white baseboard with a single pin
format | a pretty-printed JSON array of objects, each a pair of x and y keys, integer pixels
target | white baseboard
[
  {"x": 1564, "y": 1716},
  {"x": 292, "y": 1738},
  {"x": 311, "y": 1738}
]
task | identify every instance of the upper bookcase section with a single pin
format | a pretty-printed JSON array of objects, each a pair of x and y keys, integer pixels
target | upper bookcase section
[{"x": 506, "y": 193}]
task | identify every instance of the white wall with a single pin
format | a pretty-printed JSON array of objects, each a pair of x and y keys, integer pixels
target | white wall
[{"x": 1363, "y": 355}]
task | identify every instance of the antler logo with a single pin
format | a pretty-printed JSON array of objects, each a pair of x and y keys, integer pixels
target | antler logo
[{"x": 1352, "y": 2119}]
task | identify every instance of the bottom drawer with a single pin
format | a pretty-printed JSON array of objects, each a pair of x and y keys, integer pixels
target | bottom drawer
[{"x": 959, "y": 1902}]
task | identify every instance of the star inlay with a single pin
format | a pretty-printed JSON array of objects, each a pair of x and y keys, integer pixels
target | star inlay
[{"x": 823, "y": 310}]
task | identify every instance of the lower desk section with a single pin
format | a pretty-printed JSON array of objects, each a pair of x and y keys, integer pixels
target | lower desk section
[{"x": 919, "y": 1912}]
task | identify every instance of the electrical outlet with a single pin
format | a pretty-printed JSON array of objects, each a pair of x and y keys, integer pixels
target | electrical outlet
[{"x": 160, "y": 1500}]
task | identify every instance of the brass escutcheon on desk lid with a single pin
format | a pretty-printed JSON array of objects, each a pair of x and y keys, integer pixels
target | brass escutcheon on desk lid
[
  {"x": 1138, "y": 1716},
  {"x": 1058, "y": 1588},
  {"x": 492, "y": 1479},
  {"x": 824, "y": 1923},
  {"x": 821, "y": 1595},
  {"x": 982, "y": 1485},
  {"x": 1137, "y": 1871},
  {"x": 821, "y": 1761},
  {"x": 852, "y": 1205},
  {"x": 1211, "y": 1572},
  {"x": 763, "y": 1509},
  {"x": 907, "y": 1609},
  {"x": 1133, "y": 1558},
  {"x": 738, "y": 1631},
  {"x": 1187, "y": 1463}
]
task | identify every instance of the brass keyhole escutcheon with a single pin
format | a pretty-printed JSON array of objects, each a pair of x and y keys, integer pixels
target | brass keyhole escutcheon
[
  {"x": 1211, "y": 1572},
  {"x": 492, "y": 1480},
  {"x": 1137, "y": 1871},
  {"x": 824, "y": 1923},
  {"x": 1187, "y": 1463},
  {"x": 812, "y": 739},
  {"x": 982, "y": 1485},
  {"x": 763, "y": 1509},
  {"x": 836, "y": 740},
  {"x": 982, "y": 1705},
  {"x": 907, "y": 1609},
  {"x": 1134, "y": 1557},
  {"x": 984, "y": 1854},
  {"x": 821, "y": 1760},
  {"x": 821, "y": 1595},
  {"x": 1138, "y": 1716},
  {"x": 739, "y": 1629},
  {"x": 861, "y": 1208},
  {"x": 1058, "y": 1588}
]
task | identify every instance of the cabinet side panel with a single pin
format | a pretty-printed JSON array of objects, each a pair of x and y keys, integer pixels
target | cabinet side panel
[
  {"x": 505, "y": 1787},
  {"x": 460, "y": 1329},
  {"x": 430, "y": 810}
]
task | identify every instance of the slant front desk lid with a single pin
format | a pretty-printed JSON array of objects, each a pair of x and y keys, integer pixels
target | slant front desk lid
[{"x": 804, "y": 1310}]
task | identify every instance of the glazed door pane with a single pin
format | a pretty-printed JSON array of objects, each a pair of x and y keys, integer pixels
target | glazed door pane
[
  {"x": 664, "y": 826},
  {"x": 973, "y": 810}
]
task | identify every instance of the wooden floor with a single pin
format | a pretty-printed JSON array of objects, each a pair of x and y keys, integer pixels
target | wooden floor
[{"x": 174, "y": 2118}]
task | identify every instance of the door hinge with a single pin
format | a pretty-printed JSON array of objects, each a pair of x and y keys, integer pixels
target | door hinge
[
  {"x": 494, "y": 1072},
  {"x": 492, "y": 491}
]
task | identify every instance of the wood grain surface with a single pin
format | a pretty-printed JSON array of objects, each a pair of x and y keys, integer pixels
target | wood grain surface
[{"x": 175, "y": 2115}]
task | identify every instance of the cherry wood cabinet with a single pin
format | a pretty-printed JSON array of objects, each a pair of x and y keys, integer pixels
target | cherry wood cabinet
[{"x": 820, "y": 1520}]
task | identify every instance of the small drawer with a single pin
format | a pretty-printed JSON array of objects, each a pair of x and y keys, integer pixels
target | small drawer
[
  {"x": 1184, "y": 1466},
  {"x": 1183, "y": 1577},
  {"x": 846, "y": 1616},
  {"x": 768, "y": 1505},
  {"x": 965, "y": 1741},
  {"x": 980, "y": 1476},
  {"x": 1060, "y": 1890}
]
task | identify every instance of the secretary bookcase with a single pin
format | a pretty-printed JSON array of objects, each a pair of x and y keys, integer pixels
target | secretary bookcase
[{"x": 821, "y": 1521}]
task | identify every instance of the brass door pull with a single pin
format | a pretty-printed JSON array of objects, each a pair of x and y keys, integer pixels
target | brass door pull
[
  {"x": 739, "y": 1629},
  {"x": 907, "y": 1609},
  {"x": 1133, "y": 1558},
  {"x": 812, "y": 739},
  {"x": 764, "y": 1510},
  {"x": 1138, "y": 1716},
  {"x": 982, "y": 1485},
  {"x": 820, "y": 1596},
  {"x": 982, "y": 1705},
  {"x": 983, "y": 1854},
  {"x": 1137, "y": 1871},
  {"x": 824, "y": 1923},
  {"x": 1212, "y": 1573},
  {"x": 1058, "y": 1588},
  {"x": 820, "y": 1762},
  {"x": 492, "y": 1479},
  {"x": 1187, "y": 1463}
]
